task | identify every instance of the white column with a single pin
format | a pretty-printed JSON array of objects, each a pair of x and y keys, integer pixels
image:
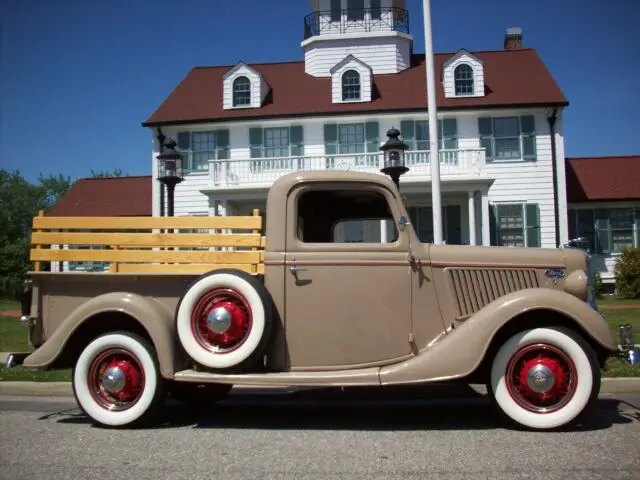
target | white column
[
  {"x": 486, "y": 222},
  {"x": 472, "y": 217}
]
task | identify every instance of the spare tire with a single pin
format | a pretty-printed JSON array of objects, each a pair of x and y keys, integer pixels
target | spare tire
[{"x": 224, "y": 319}]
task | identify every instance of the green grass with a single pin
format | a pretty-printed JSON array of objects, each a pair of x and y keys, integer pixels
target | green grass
[
  {"x": 21, "y": 374},
  {"x": 13, "y": 337},
  {"x": 9, "y": 305},
  {"x": 611, "y": 301},
  {"x": 621, "y": 317}
]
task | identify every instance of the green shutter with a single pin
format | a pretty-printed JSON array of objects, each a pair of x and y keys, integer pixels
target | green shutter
[
  {"x": 408, "y": 132},
  {"x": 255, "y": 142},
  {"x": 532, "y": 212},
  {"x": 486, "y": 136},
  {"x": 528, "y": 127},
  {"x": 222, "y": 144},
  {"x": 493, "y": 225},
  {"x": 184, "y": 141},
  {"x": 296, "y": 140},
  {"x": 450, "y": 133},
  {"x": 453, "y": 219},
  {"x": 602, "y": 231},
  {"x": 372, "y": 136},
  {"x": 330, "y": 139}
]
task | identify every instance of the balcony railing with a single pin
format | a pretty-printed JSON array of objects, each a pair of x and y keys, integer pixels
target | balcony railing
[
  {"x": 264, "y": 171},
  {"x": 356, "y": 20}
]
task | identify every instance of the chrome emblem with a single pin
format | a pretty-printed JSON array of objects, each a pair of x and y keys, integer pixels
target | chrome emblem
[{"x": 555, "y": 274}]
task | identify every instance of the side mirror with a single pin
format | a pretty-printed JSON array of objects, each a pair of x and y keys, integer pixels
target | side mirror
[{"x": 403, "y": 220}]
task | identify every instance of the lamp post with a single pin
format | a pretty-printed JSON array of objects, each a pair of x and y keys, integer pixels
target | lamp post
[
  {"x": 394, "y": 156},
  {"x": 170, "y": 171}
]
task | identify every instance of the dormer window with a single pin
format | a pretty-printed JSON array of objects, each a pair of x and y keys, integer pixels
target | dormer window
[
  {"x": 241, "y": 92},
  {"x": 350, "y": 85},
  {"x": 463, "y": 78}
]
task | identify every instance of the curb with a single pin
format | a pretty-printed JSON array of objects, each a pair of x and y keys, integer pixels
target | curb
[{"x": 64, "y": 389}]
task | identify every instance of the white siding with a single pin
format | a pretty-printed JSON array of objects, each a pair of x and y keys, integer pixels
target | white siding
[
  {"x": 388, "y": 53},
  {"x": 478, "y": 75}
]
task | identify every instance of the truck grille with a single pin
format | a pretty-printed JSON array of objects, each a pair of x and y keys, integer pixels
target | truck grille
[{"x": 473, "y": 288}]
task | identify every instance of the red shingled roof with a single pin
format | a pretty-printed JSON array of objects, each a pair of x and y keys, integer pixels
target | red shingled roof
[
  {"x": 516, "y": 77},
  {"x": 603, "y": 178},
  {"x": 106, "y": 197}
]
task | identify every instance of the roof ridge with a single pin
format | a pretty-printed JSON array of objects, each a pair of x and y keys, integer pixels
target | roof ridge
[{"x": 600, "y": 157}]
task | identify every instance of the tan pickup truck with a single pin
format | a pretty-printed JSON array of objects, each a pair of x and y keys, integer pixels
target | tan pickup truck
[{"x": 295, "y": 304}]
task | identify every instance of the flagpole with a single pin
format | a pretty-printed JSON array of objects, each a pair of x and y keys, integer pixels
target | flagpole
[{"x": 436, "y": 203}]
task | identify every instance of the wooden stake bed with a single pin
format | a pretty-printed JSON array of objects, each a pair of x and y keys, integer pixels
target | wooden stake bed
[{"x": 232, "y": 242}]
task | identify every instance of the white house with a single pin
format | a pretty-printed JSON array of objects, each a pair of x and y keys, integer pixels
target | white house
[{"x": 500, "y": 123}]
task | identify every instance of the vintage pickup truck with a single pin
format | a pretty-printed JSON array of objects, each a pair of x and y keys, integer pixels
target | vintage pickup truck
[{"x": 293, "y": 303}]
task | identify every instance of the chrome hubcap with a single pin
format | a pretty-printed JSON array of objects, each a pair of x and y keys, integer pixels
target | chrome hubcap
[
  {"x": 114, "y": 380},
  {"x": 540, "y": 378},
  {"x": 219, "y": 320}
]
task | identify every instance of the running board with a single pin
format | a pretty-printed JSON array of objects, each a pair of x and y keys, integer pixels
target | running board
[{"x": 344, "y": 378}]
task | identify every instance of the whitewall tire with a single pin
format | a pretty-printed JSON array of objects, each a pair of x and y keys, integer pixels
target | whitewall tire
[
  {"x": 223, "y": 321},
  {"x": 116, "y": 380},
  {"x": 544, "y": 378}
]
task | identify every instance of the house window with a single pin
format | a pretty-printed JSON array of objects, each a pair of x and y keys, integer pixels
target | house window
[
  {"x": 463, "y": 79},
  {"x": 515, "y": 225},
  {"x": 508, "y": 138},
  {"x": 241, "y": 92},
  {"x": 350, "y": 85},
  {"x": 197, "y": 148},
  {"x": 422, "y": 221},
  {"x": 415, "y": 133},
  {"x": 275, "y": 146},
  {"x": 336, "y": 10},
  {"x": 355, "y": 10},
  {"x": 353, "y": 138},
  {"x": 608, "y": 230},
  {"x": 376, "y": 11}
]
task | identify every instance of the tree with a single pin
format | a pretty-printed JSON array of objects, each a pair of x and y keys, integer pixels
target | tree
[
  {"x": 20, "y": 202},
  {"x": 103, "y": 173}
]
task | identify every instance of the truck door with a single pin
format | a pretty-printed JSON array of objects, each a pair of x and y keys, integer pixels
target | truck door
[{"x": 347, "y": 277}]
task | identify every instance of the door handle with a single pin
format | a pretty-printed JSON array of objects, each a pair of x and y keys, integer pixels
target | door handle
[{"x": 297, "y": 269}]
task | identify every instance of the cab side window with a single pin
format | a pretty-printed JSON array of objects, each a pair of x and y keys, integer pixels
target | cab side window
[{"x": 345, "y": 216}]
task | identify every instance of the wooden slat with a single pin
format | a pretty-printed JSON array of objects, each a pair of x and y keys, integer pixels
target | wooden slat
[
  {"x": 187, "y": 268},
  {"x": 169, "y": 256},
  {"x": 37, "y": 265},
  {"x": 139, "y": 223},
  {"x": 147, "y": 240}
]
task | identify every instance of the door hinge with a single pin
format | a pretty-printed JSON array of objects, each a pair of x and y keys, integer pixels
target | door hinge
[{"x": 412, "y": 343}]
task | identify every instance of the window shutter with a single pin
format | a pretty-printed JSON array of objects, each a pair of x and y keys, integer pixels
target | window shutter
[
  {"x": 296, "y": 140},
  {"x": 330, "y": 139},
  {"x": 493, "y": 225},
  {"x": 222, "y": 144},
  {"x": 450, "y": 133},
  {"x": 602, "y": 231},
  {"x": 453, "y": 218},
  {"x": 636, "y": 217},
  {"x": 528, "y": 129},
  {"x": 408, "y": 132},
  {"x": 486, "y": 136},
  {"x": 372, "y": 135},
  {"x": 184, "y": 141},
  {"x": 255, "y": 142},
  {"x": 532, "y": 212}
]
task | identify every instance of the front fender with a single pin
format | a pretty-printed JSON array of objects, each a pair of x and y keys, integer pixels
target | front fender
[
  {"x": 154, "y": 317},
  {"x": 460, "y": 352}
]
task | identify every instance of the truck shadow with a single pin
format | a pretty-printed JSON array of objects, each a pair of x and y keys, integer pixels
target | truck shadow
[{"x": 313, "y": 411}]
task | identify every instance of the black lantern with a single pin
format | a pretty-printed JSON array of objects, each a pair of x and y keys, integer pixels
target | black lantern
[
  {"x": 170, "y": 174},
  {"x": 394, "y": 156}
]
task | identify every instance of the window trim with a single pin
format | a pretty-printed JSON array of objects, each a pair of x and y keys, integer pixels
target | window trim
[
  {"x": 234, "y": 91},
  {"x": 344, "y": 88},
  {"x": 456, "y": 80}
]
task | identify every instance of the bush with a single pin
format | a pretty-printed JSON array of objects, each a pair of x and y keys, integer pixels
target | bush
[
  {"x": 628, "y": 273},
  {"x": 596, "y": 280}
]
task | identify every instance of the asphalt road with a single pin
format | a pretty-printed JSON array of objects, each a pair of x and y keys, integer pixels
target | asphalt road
[{"x": 304, "y": 436}]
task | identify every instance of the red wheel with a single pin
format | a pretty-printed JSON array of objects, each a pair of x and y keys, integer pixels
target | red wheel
[
  {"x": 541, "y": 378},
  {"x": 221, "y": 320}
]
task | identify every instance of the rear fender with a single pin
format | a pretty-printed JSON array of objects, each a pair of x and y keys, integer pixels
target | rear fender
[
  {"x": 462, "y": 350},
  {"x": 155, "y": 318}
]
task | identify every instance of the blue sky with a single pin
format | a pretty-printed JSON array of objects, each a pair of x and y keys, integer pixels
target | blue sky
[{"x": 77, "y": 77}]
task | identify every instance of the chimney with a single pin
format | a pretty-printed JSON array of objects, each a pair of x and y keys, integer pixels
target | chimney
[{"x": 513, "y": 39}]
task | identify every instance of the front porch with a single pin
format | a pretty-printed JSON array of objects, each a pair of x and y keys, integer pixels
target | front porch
[
  {"x": 262, "y": 172},
  {"x": 466, "y": 215}
]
